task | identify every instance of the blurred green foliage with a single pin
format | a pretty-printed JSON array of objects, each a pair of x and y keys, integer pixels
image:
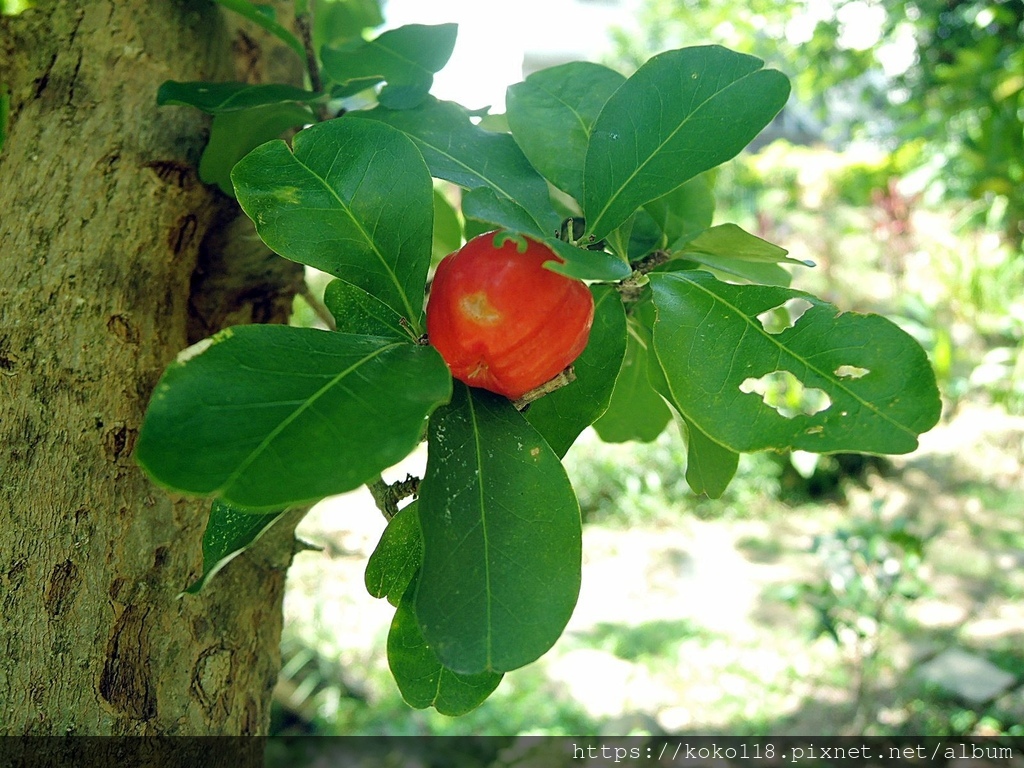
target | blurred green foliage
[{"x": 947, "y": 74}]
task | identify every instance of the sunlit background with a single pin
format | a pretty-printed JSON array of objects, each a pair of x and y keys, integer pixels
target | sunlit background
[{"x": 822, "y": 595}]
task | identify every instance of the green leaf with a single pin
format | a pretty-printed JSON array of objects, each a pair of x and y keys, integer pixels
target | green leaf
[
  {"x": 355, "y": 311},
  {"x": 467, "y": 155},
  {"x": 635, "y": 410},
  {"x": 447, "y": 229},
  {"x": 873, "y": 388},
  {"x": 562, "y": 415},
  {"x": 259, "y": 17},
  {"x": 552, "y": 113},
  {"x": 501, "y": 538},
  {"x": 217, "y": 98},
  {"x": 680, "y": 114},
  {"x": 729, "y": 250},
  {"x": 406, "y": 58},
  {"x": 686, "y": 211},
  {"x": 394, "y": 562},
  {"x": 584, "y": 264},
  {"x": 710, "y": 466},
  {"x": 336, "y": 21},
  {"x": 265, "y": 416},
  {"x": 421, "y": 678},
  {"x": 235, "y": 134},
  {"x": 352, "y": 198},
  {"x": 484, "y": 204},
  {"x": 229, "y": 532}
]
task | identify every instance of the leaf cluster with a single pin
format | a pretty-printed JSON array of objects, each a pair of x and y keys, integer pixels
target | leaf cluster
[{"x": 614, "y": 174}]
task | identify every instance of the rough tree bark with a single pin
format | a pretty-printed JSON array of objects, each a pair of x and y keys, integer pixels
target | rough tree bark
[{"x": 112, "y": 254}]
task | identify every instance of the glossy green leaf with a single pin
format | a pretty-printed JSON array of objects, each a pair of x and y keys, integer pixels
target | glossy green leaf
[
  {"x": 421, "y": 678},
  {"x": 729, "y": 250},
  {"x": 635, "y": 410},
  {"x": 562, "y": 415},
  {"x": 406, "y": 58},
  {"x": 684, "y": 212},
  {"x": 874, "y": 388},
  {"x": 710, "y": 466},
  {"x": 501, "y": 538},
  {"x": 229, "y": 532},
  {"x": 680, "y": 114},
  {"x": 216, "y": 98},
  {"x": 336, "y": 21},
  {"x": 585, "y": 264},
  {"x": 355, "y": 311},
  {"x": 447, "y": 229},
  {"x": 458, "y": 151},
  {"x": 234, "y": 134},
  {"x": 395, "y": 560},
  {"x": 484, "y": 204},
  {"x": 551, "y": 115},
  {"x": 352, "y": 198},
  {"x": 265, "y": 416},
  {"x": 257, "y": 16}
]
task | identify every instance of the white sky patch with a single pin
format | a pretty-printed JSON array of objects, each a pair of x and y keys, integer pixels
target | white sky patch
[
  {"x": 488, "y": 54},
  {"x": 495, "y": 36}
]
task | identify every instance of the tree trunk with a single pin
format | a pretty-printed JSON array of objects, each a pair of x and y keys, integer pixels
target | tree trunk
[{"x": 111, "y": 252}]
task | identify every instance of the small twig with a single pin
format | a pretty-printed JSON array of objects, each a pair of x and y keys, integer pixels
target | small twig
[
  {"x": 319, "y": 308},
  {"x": 568, "y": 376},
  {"x": 387, "y": 496},
  {"x": 304, "y": 23},
  {"x": 631, "y": 287}
]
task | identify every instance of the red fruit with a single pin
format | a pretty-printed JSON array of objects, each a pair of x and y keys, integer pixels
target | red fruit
[{"x": 502, "y": 321}]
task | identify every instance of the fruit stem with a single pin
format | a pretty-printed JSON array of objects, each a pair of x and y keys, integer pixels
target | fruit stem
[
  {"x": 568, "y": 376},
  {"x": 631, "y": 287}
]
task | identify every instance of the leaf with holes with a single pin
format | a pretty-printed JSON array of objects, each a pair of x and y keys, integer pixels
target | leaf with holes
[
  {"x": 501, "y": 538},
  {"x": 395, "y": 560},
  {"x": 352, "y": 198},
  {"x": 406, "y": 58},
  {"x": 229, "y": 532},
  {"x": 853, "y": 382},
  {"x": 423, "y": 680},
  {"x": 562, "y": 415},
  {"x": 264, "y": 416},
  {"x": 680, "y": 114}
]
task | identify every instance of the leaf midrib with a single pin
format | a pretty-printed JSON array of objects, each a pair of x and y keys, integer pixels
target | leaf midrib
[
  {"x": 658, "y": 149},
  {"x": 306, "y": 404},
  {"x": 483, "y": 527},
  {"x": 411, "y": 314},
  {"x": 488, "y": 182}
]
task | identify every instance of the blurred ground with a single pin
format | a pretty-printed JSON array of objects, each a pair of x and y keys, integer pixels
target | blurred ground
[{"x": 679, "y": 629}]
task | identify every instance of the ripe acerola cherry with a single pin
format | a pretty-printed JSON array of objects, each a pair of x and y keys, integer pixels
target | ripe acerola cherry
[{"x": 501, "y": 320}]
